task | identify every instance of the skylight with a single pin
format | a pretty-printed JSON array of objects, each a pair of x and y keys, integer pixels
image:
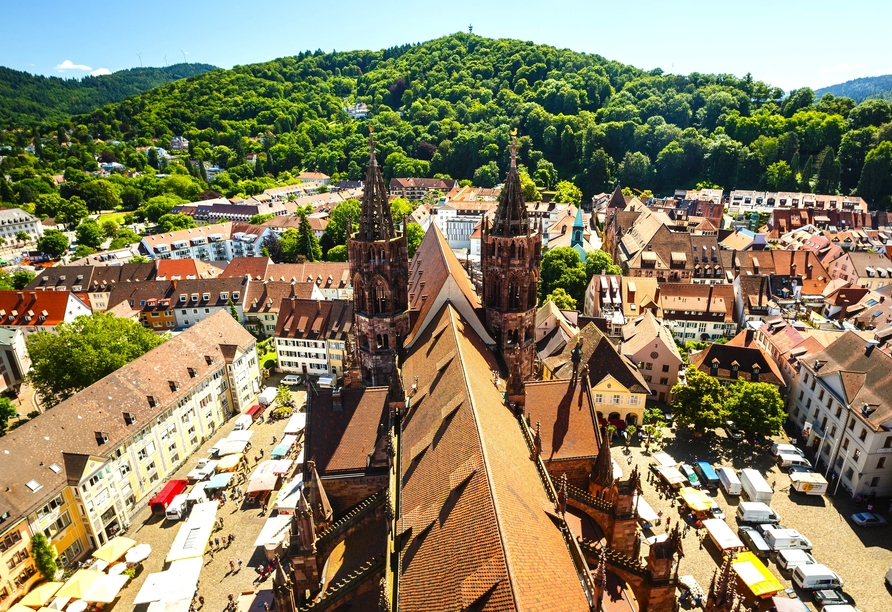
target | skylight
[
  {"x": 33, "y": 485},
  {"x": 55, "y": 467}
]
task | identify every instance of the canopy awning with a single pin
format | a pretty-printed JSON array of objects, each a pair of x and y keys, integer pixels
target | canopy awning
[
  {"x": 39, "y": 596},
  {"x": 177, "y": 583},
  {"x": 79, "y": 583},
  {"x": 698, "y": 501},
  {"x": 283, "y": 466},
  {"x": 114, "y": 549},
  {"x": 286, "y": 500},
  {"x": 179, "y": 605},
  {"x": 230, "y": 447},
  {"x": 229, "y": 463},
  {"x": 274, "y": 531},
  {"x": 296, "y": 423},
  {"x": 264, "y": 483},
  {"x": 219, "y": 481},
  {"x": 242, "y": 434},
  {"x": 106, "y": 589},
  {"x": 266, "y": 468},
  {"x": 191, "y": 541}
]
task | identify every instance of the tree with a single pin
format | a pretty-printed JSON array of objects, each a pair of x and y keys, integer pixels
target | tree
[
  {"x": 44, "y": 556},
  {"x": 22, "y": 236},
  {"x": 756, "y": 407},
  {"x": 83, "y": 351},
  {"x": 487, "y": 175},
  {"x": 565, "y": 191},
  {"x": 875, "y": 185},
  {"x": 554, "y": 263},
  {"x": 53, "y": 243},
  {"x": 828, "y": 174},
  {"x": 21, "y": 279},
  {"x": 337, "y": 221},
  {"x": 414, "y": 234},
  {"x": 260, "y": 219},
  {"x": 172, "y": 223},
  {"x": 308, "y": 245},
  {"x": 140, "y": 259},
  {"x": 109, "y": 228},
  {"x": 72, "y": 211},
  {"x": 233, "y": 311},
  {"x": 599, "y": 261},
  {"x": 780, "y": 177},
  {"x": 400, "y": 208},
  {"x": 635, "y": 170},
  {"x": 88, "y": 233},
  {"x": 290, "y": 245},
  {"x": 337, "y": 253},
  {"x": 82, "y": 250},
  {"x": 272, "y": 248},
  {"x": 7, "y": 411},
  {"x": 561, "y": 299},
  {"x": 283, "y": 395},
  {"x": 100, "y": 195},
  {"x": 530, "y": 191},
  {"x": 701, "y": 401}
]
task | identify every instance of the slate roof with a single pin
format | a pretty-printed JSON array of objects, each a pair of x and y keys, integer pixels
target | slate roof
[
  {"x": 475, "y": 517},
  {"x": 29, "y": 451}
]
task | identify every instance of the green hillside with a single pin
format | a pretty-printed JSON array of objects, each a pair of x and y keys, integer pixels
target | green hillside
[
  {"x": 879, "y": 87},
  {"x": 448, "y": 106},
  {"x": 26, "y": 98}
]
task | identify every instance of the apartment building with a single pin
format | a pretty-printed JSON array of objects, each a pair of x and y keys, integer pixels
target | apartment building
[
  {"x": 311, "y": 336},
  {"x": 15, "y": 220},
  {"x": 698, "y": 312},
  {"x": 839, "y": 404},
  {"x": 80, "y": 472},
  {"x": 33, "y": 311},
  {"x": 416, "y": 188},
  {"x": 222, "y": 241},
  {"x": 649, "y": 344},
  {"x": 265, "y": 298},
  {"x": 870, "y": 270}
]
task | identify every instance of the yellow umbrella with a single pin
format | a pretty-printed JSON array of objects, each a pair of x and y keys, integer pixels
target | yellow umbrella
[
  {"x": 41, "y": 594},
  {"x": 47, "y": 610},
  {"x": 79, "y": 583},
  {"x": 105, "y": 590},
  {"x": 114, "y": 549}
]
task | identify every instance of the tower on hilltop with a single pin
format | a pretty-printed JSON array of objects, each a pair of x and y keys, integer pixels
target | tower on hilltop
[
  {"x": 511, "y": 253},
  {"x": 379, "y": 266}
]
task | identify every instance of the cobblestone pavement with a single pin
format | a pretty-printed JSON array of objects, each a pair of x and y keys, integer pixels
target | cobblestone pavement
[
  {"x": 244, "y": 521},
  {"x": 860, "y": 556}
]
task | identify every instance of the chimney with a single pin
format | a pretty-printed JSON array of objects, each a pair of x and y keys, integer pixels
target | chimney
[
  {"x": 336, "y": 400},
  {"x": 868, "y": 349},
  {"x": 173, "y": 284},
  {"x": 761, "y": 290}
]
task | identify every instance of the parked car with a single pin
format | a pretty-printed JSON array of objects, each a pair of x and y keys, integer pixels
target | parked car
[
  {"x": 755, "y": 542},
  {"x": 800, "y": 468},
  {"x": 789, "y": 558},
  {"x": 292, "y": 379},
  {"x": 868, "y": 519},
  {"x": 830, "y": 597},
  {"x": 733, "y": 431},
  {"x": 689, "y": 473},
  {"x": 716, "y": 511},
  {"x": 766, "y": 526},
  {"x": 777, "y": 449}
]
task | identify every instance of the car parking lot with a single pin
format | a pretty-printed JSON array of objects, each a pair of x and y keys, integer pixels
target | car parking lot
[{"x": 860, "y": 555}]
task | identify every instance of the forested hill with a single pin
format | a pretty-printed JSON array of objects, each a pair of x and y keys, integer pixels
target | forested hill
[
  {"x": 448, "y": 106},
  {"x": 879, "y": 87},
  {"x": 27, "y": 98}
]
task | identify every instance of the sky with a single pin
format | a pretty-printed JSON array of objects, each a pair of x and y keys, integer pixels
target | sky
[{"x": 786, "y": 43}]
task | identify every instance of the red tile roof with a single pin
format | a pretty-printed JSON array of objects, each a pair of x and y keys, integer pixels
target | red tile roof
[
  {"x": 567, "y": 424},
  {"x": 34, "y": 308},
  {"x": 184, "y": 268},
  {"x": 340, "y": 438}
]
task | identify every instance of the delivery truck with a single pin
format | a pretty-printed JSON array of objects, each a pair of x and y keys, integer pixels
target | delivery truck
[
  {"x": 810, "y": 483},
  {"x": 755, "y": 487},
  {"x": 160, "y": 502}
]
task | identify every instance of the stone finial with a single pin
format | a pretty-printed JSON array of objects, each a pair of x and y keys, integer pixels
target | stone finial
[
  {"x": 383, "y": 596},
  {"x": 562, "y": 495},
  {"x": 537, "y": 442}
]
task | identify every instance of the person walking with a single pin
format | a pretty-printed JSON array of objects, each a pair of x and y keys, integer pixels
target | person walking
[
  {"x": 231, "y": 566},
  {"x": 201, "y": 600},
  {"x": 239, "y": 565},
  {"x": 217, "y": 542},
  {"x": 274, "y": 440},
  {"x": 211, "y": 553}
]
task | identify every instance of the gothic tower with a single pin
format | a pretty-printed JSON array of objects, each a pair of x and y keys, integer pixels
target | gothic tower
[
  {"x": 379, "y": 267},
  {"x": 511, "y": 252}
]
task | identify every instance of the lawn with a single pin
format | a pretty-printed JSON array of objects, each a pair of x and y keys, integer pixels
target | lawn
[{"x": 116, "y": 217}]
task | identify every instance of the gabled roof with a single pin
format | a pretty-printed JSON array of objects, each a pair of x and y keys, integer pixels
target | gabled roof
[
  {"x": 35, "y": 308},
  {"x": 746, "y": 358},
  {"x": 475, "y": 517},
  {"x": 314, "y": 319},
  {"x": 643, "y": 332},
  {"x": 267, "y": 296},
  {"x": 255, "y": 267},
  {"x": 342, "y": 436},
  {"x": 326, "y": 274},
  {"x": 602, "y": 359},
  {"x": 435, "y": 277},
  {"x": 563, "y": 411}
]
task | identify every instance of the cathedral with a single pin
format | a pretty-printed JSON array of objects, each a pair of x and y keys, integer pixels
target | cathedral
[{"x": 444, "y": 475}]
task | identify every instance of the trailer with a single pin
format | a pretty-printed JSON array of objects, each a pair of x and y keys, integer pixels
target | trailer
[
  {"x": 722, "y": 535},
  {"x": 160, "y": 502},
  {"x": 754, "y": 486},
  {"x": 268, "y": 396},
  {"x": 753, "y": 573},
  {"x": 698, "y": 502},
  {"x": 810, "y": 483}
]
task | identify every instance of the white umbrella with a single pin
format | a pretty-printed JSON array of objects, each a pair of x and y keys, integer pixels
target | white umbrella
[
  {"x": 79, "y": 605},
  {"x": 117, "y": 568},
  {"x": 59, "y": 603},
  {"x": 138, "y": 553}
]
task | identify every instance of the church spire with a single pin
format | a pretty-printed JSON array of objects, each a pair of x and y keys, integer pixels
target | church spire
[
  {"x": 602, "y": 469},
  {"x": 375, "y": 220},
  {"x": 511, "y": 218}
]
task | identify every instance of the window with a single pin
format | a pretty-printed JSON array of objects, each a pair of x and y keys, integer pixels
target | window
[
  {"x": 838, "y": 411},
  {"x": 852, "y": 425},
  {"x": 863, "y": 434},
  {"x": 633, "y": 400},
  {"x": 849, "y": 473},
  {"x": 53, "y": 505},
  {"x": 648, "y": 366},
  {"x": 665, "y": 368},
  {"x": 57, "y": 526},
  {"x": 125, "y": 469},
  {"x": 857, "y": 454},
  {"x": 647, "y": 378},
  {"x": 888, "y": 442},
  {"x": 16, "y": 558},
  {"x": 616, "y": 399},
  {"x": 599, "y": 399},
  {"x": 875, "y": 481},
  {"x": 881, "y": 463},
  {"x": 845, "y": 444},
  {"x": 10, "y": 540},
  {"x": 664, "y": 381}
]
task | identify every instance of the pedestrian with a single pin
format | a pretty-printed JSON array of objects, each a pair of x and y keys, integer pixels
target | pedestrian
[
  {"x": 240, "y": 565},
  {"x": 231, "y": 565},
  {"x": 224, "y": 497},
  {"x": 274, "y": 440},
  {"x": 217, "y": 542},
  {"x": 701, "y": 543},
  {"x": 221, "y": 522},
  {"x": 261, "y": 453},
  {"x": 232, "y": 537},
  {"x": 211, "y": 553},
  {"x": 201, "y": 600},
  {"x": 668, "y": 520}
]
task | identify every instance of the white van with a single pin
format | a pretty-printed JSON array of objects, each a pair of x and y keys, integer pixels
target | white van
[
  {"x": 787, "y": 460},
  {"x": 178, "y": 507},
  {"x": 756, "y": 513},
  {"x": 197, "y": 495},
  {"x": 816, "y": 577},
  {"x": 327, "y": 381},
  {"x": 730, "y": 481},
  {"x": 779, "y": 539},
  {"x": 789, "y": 449},
  {"x": 243, "y": 422},
  {"x": 789, "y": 558}
]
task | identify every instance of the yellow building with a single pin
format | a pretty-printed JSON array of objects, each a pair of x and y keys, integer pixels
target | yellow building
[{"x": 79, "y": 472}]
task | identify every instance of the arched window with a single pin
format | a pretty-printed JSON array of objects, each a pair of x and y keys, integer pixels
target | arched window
[
  {"x": 513, "y": 295},
  {"x": 513, "y": 251}
]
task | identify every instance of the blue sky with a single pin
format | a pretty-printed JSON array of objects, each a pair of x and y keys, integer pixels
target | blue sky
[{"x": 787, "y": 43}]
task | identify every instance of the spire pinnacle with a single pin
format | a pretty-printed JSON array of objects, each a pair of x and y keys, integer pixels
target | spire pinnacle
[
  {"x": 514, "y": 150},
  {"x": 511, "y": 217},
  {"x": 372, "y": 160}
]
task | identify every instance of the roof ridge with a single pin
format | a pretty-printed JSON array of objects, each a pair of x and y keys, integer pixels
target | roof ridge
[{"x": 509, "y": 571}]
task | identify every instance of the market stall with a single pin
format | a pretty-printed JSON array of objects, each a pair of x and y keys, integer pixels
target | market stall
[
  {"x": 296, "y": 424},
  {"x": 40, "y": 595},
  {"x": 288, "y": 496},
  {"x": 755, "y": 575},
  {"x": 114, "y": 549},
  {"x": 79, "y": 583},
  {"x": 176, "y": 584},
  {"x": 275, "y": 535}
]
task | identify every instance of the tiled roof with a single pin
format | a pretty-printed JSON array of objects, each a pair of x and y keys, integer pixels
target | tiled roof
[
  {"x": 314, "y": 319},
  {"x": 255, "y": 267},
  {"x": 602, "y": 359},
  {"x": 744, "y": 357},
  {"x": 645, "y": 331},
  {"x": 170, "y": 268},
  {"x": 341, "y": 438},
  {"x": 326, "y": 274},
  {"x": 267, "y": 296},
  {"x": 35, "y": 308},
  {"x": 681, "y": 297},
  {"x": 173, "y": 290},
  {"x": 473, "y": 508},
  {"x": 62, "y": 276},
  {"x": 567, "y": 424},
  {"x": 29, "y": 451}
]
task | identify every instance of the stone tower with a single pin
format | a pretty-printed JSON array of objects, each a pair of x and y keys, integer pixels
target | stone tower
[
  {"x": 379, "y": 267},
  {"x": 511, "y": 252}
]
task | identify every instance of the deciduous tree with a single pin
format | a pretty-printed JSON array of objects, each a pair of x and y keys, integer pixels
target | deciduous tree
[
  {"x": 700, "y": 401},
  {"x": 44, "y": 556},
  {"x": 53, "y": 243},
  {"x": 756, "y": 407},
  {"x": 561, "y": 299}
]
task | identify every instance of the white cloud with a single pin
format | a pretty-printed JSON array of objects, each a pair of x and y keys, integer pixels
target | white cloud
[
  {"x": 843, "y": 67},
  {"x": 69, "y": 65},
  {"x": 100, "y": 72}
]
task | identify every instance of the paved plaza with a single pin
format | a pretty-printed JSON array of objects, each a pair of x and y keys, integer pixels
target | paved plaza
[
  {"x": 859, "y": 555},
  {"x": 217, "y": 580}
]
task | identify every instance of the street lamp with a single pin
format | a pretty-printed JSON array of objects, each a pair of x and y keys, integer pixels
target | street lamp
[{"x": 841, "y": 469}]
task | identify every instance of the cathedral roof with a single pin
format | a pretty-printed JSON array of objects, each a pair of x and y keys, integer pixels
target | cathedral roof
[
  {"x": 342, "y": 435},
  {"x": 475, "y": 517},
  {"x": 567, "y": 423},
  {"x": 375, "y": 220}
]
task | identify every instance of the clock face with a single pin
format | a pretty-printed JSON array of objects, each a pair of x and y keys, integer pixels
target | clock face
[{"x": 654, "y": 355}]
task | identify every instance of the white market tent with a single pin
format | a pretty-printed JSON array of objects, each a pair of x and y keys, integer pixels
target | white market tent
[
  {"x": 230, "y": 447},
  {"x": 177, "y": 583},
  {"x": 179, "y": 605},
  {"x": 265, "y": 468},
  {"x": 106, "y": 589},
  {"x": 286, "y": 500},
  {"x": 274, "y": 531},
  {"x": 243, "y": 434},
  {"x": 191, "y": 541},
  {"x": 296, "y": 423}
]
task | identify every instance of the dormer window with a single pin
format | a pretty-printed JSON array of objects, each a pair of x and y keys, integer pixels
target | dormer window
[
  {"x": 224, "y": 295},
  {"x": 194, "y": 297},
  {"x": 208, "y": 360},
  {"x": 235, "y": 295},
  {"x": 152, "y": 401},
  {"x": 205, "y": 296},
  {"x": 191, "y": 372},
  {"x": 101, "y": 437},
  {"x": 129, "y": 418},
  {"x": 174, "y": 385}
]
